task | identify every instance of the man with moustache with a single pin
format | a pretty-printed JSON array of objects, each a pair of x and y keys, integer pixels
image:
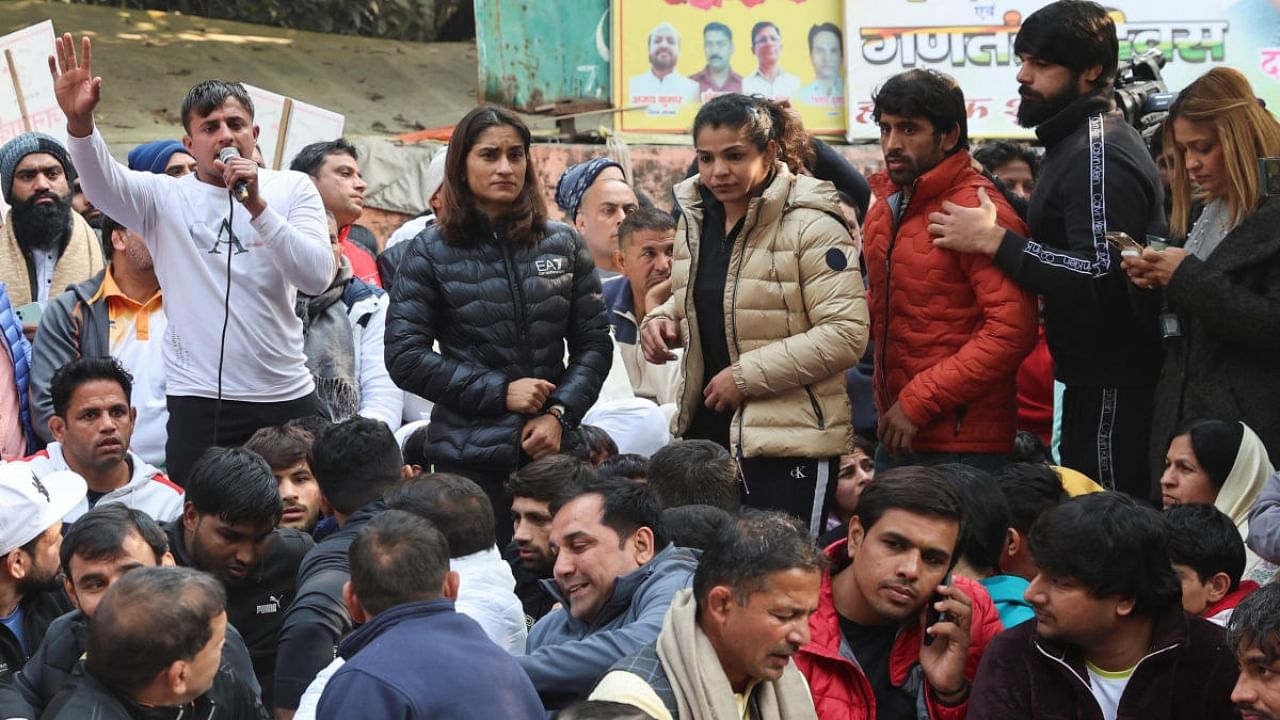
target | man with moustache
[
  {"x": 1254, "y": 634},
  {"x": 769, "y": 79},
  {"x": 872, "y": 651},
  {"x": 950, "y": 329},
  {"x": 645, "y": 243},
  {"x": 1097, "y": 176},
  {"x": 718, "y": 77},
  {"x": 119, "y": 313},
  {"x": 662, "y": 89},
  {"x": 44, "y": 246},
  {"x": 92, "y": 427}
]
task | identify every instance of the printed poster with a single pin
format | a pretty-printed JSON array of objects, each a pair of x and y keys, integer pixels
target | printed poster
[
  {"x": 30, "y": 48},
  {"x": 670, "y": 56},
  {"x": 972, "y": 40}
]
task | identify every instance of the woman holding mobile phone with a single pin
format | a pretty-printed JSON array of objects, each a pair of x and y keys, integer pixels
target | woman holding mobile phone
[{"x": 1222, "y": 286}]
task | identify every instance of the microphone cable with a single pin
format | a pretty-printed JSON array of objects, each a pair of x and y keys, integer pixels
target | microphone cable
[{"x": 226, "y": 312}]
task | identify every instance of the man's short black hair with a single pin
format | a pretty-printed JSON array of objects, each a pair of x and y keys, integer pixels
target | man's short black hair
[
  {"x": 1029, "y": 490},
  {"x": 68, "y": 378},
  {"x": 548, "y": 478},
  {"x": 695, "y": 472},
  {"x": 99, "y": 535},
  {"x": 644, "y": 219},
  {"x": 235, "y": 485},
  {"x": 1255, "y": 623},
  {"x": 995, "y": 155},
  {"x": 310, "y": 158},
  {"x": 828, "y": 27},
  {"x": 415, "y": 448},
  {"x": 125, "y": 649},
  {"x": 108, "y": 226},
  {"x": 755, "y": 29},
  {"x": 599, "y": 442},
  {"x": 925, "y": 94},
  {"x": 1204, "y": 539},
  {"x": 209, "y": 95},
  {"x": 1074, "y": 33},
  {"x": 1113, "y": 546},
  {"x": 282, "y": 446},
  {"x": 986, "y": 516},
  {"x": 695, "y": 526},
  {"x": 915, "y": 489},
  {"x": 456, "y": 506},
  {"x": 355, "y": 462},
  {"x": 397, "y": 558},
  {"x": 714, "y": 26},
  {"x": 750, "y": 549},
  {"x": 627, "y": 507},
  {"x": 631, "y": 466}
]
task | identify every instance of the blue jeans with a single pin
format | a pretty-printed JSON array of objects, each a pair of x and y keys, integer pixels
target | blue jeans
[{"x": 989, "y": 463}]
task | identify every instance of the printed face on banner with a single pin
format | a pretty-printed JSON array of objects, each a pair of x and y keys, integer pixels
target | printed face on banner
[
  {"x": 785, "y": 49},
  {"x": 973, "y": 41}
]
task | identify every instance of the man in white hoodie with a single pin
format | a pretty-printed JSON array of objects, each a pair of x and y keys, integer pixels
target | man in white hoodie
[
  {"x": 232, "y": 245},
  {"x": 92, "y": 426}
]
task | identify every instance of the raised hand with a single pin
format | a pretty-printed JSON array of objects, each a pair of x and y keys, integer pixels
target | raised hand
[{"x": 77, "y": 90}]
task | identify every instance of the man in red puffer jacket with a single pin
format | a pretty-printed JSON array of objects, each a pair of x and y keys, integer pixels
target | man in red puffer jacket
[
  {"x": 867, "y": 658},
  {"x": 950, "y": 329}
]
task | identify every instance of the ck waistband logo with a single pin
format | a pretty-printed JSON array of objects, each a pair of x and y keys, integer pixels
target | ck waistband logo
[
  {"x": 797, "y": 472},
  {"x": 550, "y": 267}
]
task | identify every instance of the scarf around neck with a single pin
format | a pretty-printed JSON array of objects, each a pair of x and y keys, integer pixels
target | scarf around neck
[{"x": 329, "y": 344}]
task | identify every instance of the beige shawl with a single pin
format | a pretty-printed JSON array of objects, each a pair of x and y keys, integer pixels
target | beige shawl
[
  {"x": 81, "y": 259},
  {"x": 700, "y": 686}
]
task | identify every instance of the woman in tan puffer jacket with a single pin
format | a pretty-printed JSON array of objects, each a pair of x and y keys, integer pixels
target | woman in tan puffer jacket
[{"x": 768, "y": 303}]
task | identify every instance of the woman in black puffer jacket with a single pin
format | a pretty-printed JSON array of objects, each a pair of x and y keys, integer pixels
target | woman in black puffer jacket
[{"x": 483, "y": 306}]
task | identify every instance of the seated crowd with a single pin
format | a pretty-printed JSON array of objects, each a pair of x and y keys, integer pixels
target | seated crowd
[{"x": 510, "y": 467}]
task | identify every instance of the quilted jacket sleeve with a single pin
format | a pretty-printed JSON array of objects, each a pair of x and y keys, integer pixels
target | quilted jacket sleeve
[
  {"x": 590, "y": 344},
  {"x": 837, "y": 310},
  {"x": 994, "y": 351},
  {"x": 412, "y": 328}
]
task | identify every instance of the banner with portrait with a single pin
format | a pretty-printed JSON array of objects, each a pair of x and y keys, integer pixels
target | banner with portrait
[
  {"x": 972, "y": 40},
  {"x": 670, "y": 56}
]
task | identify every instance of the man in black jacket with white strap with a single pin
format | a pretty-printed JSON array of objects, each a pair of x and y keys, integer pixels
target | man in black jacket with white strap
[{"x": 1097, "y": 177}]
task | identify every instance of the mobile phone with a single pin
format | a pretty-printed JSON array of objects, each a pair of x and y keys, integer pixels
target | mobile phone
[
  {"x": 933, "y": 615},
  {"x": 1269, "y": 171},
  {"x": 29, "y": 314},
  {"x": 1122, "y": 242}
]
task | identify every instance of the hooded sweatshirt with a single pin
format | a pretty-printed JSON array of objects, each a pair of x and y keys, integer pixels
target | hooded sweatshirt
[{"x": 148, "y": 489}]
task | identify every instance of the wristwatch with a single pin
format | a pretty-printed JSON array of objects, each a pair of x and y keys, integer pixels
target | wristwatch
[{"x": 561, "y": 414}]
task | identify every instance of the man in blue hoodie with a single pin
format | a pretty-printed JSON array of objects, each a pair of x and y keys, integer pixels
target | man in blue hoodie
[
  {"x": 414, "y": 655},
  {"x": 615, "y": 576}
]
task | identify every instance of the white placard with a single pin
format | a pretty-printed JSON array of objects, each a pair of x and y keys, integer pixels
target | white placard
[
  {"x": 306, "y": 124},
  {"x": 29, "y": 49}
]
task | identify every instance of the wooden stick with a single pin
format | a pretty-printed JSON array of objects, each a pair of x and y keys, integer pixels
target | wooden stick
[
  {"x": 286, "y": 117},
  {"x": 17, "y": 89}
]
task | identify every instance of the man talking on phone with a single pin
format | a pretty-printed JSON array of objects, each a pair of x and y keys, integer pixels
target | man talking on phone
[
  {"x": 232, "y": 246},
  {"x": 893, "y": 632},
  {"x": 1097, "y": 176}
]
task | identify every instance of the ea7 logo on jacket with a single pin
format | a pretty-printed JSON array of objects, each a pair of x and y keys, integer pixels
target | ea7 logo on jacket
[{"x": 551, "y": 267}]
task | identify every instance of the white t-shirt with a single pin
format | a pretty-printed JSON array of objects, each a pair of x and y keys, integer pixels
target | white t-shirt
[
  {"x": 1107, "y": 688},
  {"x": 191, "y": 238},
  {"x": 785, "y": 85}
]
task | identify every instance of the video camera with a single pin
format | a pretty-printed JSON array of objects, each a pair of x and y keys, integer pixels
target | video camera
[{"x": 1142, "y": 94}]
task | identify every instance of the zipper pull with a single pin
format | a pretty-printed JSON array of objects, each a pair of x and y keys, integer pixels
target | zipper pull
[{"x": 742, "y": 475}]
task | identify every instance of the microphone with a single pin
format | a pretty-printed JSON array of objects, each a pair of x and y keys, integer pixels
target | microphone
[{"x": 241, "y": 188}]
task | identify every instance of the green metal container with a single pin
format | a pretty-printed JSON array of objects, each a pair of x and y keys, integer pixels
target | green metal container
[{"x": 534, "y": 53}]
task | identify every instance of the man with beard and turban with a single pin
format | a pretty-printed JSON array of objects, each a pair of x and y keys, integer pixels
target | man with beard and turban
[
  {"x": 31, "y": 594},
  {"x": 44, "y": 246},
  {"x": 1097, "y": 177}
]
